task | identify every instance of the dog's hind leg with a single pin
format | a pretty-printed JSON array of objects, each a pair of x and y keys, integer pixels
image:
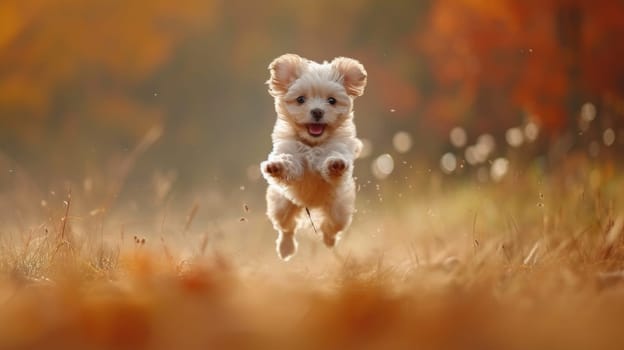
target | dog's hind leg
[
  {"x": 283, "y": 213},
  {"x": 336, "y": 218}
]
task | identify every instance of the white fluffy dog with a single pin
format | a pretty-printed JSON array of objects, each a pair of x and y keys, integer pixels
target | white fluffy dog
[{"x": 314, "y": 145}]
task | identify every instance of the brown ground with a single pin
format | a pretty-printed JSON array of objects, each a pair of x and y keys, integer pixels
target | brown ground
[{"x": 532, "y": 265}]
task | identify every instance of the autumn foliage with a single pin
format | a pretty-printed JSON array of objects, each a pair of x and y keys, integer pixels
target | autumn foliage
[
  {"x": 498, "y": 59},
  {"x": 76, "y": 73}
]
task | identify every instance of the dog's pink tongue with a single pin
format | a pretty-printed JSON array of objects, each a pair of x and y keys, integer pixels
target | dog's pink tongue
[{"x": 316, "y": 129}]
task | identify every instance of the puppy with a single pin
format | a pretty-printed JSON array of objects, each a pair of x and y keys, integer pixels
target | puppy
[{"x": 314, "y": 145}]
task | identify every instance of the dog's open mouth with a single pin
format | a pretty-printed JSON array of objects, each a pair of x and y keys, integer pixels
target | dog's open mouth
[{"x": 315, "y": 129}]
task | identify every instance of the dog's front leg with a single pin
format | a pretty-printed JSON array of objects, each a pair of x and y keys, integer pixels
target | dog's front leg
[{"x": 282, "y": 167}]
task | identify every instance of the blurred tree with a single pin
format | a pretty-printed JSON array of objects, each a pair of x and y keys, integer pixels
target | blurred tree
[
  {"x": 81, "y": 83},
  {"x": 69, "y": 69},
  {"x": 501, "y": 60}
]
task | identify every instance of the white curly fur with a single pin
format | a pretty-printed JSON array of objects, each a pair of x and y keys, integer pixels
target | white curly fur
[{"x": 311, "y": 164}]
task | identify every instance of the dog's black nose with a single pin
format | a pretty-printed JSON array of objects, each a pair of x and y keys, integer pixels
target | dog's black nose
[{"x": 317, "y": 114}]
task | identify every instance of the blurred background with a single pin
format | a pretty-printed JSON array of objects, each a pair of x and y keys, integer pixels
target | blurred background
[{"x": 153, "y": 99}]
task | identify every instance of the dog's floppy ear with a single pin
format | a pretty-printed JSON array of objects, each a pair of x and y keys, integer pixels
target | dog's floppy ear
[
  {"x": 284, "y": 70},
  {"x": 353, "y": 75}
]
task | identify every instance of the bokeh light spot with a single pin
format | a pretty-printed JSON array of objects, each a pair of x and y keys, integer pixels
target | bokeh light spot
[
  {"x": 383, "y": 166},
  {"x": 367, "y": 148},
  {"x": 514, "y": 137},
  {"x": 499, "y": 168},
  {"x": 588, "y": 112},
  {"x": 531, "y": 131},
  {"x": 480, "y": 152},
  {"x": 448, "y": 163},
  {"x": 402, "y": 142},
  {"x": 471, "y": 156},
  {"x": 458, "y": 137},
  {"x": 608, "y": 137}
]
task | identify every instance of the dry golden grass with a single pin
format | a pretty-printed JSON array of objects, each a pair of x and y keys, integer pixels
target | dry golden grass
[{"x": 526, "y": 264}]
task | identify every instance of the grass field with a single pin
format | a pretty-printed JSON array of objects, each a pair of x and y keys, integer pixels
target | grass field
[{"x": 533, "y": 262}]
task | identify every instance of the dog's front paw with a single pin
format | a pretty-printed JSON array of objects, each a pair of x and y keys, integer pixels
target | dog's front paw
[
  {"x": 274, "y": 169},
  {"x": 283, "y": 168},
  {"x": 335, "y": 167}
]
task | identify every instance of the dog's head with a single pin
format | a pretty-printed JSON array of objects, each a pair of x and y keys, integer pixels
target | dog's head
[{"x": 313, "y": 98}]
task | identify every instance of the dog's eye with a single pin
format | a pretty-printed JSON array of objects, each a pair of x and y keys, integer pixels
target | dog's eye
[
  {"x": 300, "y": 100},
  {"x": 331, "y": 101}
]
